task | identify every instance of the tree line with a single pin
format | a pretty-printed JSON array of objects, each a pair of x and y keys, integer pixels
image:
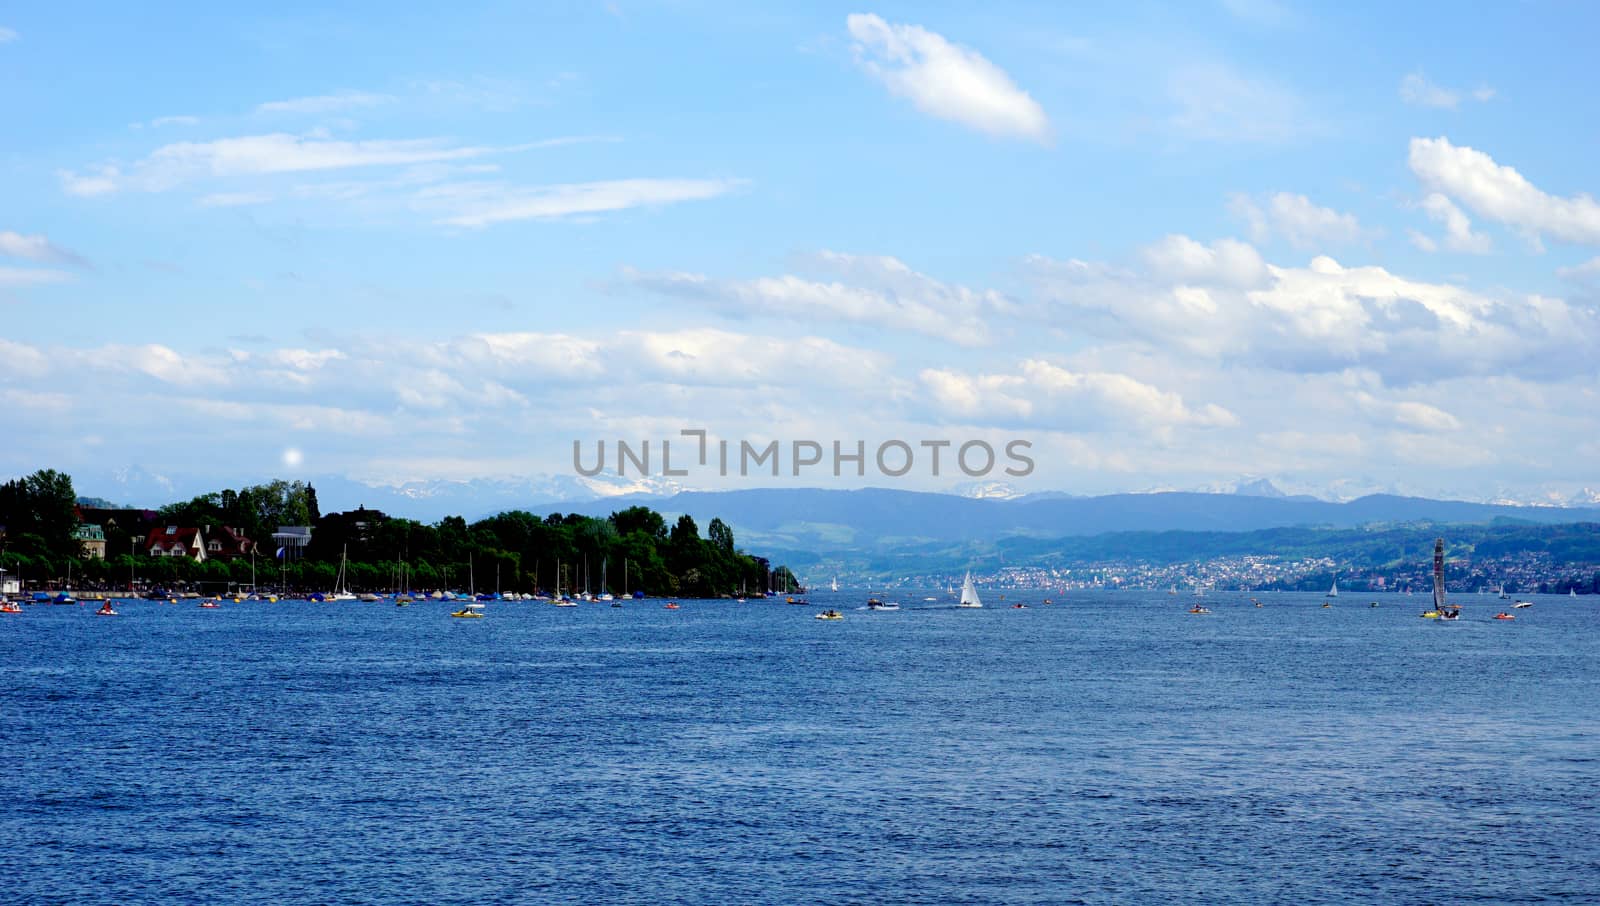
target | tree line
[{"x": 515, "y": 551}]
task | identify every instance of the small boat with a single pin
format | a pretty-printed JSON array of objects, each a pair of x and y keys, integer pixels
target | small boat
[
  {"x": 1200, "y": 609},
  {"x": 564, "y": 602},
  {"x": 616, "y": 603},
  {"x": 10, "y": 607},
  {"x": 1325, "y": 604},
  {"x": 1503, "y": 595},
  {"x": 1521, "y": 604},
  {"x": 830, "y": 615},
  {"x": 1373, "y": 604},
  {"x": 1572, "y": 592},
  {"x": 210, "y": 605},
  {"x": 1334, "y": 591},
  {"x": 472, "y": 611},
  {"x": 875, "y": 604},
  {"x": 670, "y": 605},
  {"x": 1502, "y": 615},
  {"x": 1019, "y": 606},
  {"x": 106, "y": 610},
  {"x": 800, "y": 601}
]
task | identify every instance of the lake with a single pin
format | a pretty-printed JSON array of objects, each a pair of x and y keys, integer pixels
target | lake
[{"x": 1109, "y": 748}]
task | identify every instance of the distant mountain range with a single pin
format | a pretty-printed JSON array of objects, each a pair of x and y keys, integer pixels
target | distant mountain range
[
  {"x": 802, "y": 522},
  {"x": 812, "y": 519}
]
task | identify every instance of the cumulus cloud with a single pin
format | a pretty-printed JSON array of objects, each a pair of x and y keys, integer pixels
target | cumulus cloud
[
  {"x": 1501, "y": 194},
  {"x": 1295, "y": 218},
  {"x": 1458, "y": 233},
  {"x": 1044, "y": 394},
  {"x": 1226, "y": 262},
  {"x": 1318, "y": 318},
  {"x": 946, "y": 80},
  {"x": 873, "y": 289}
]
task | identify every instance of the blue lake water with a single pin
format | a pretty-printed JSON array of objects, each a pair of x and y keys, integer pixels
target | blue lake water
[{"x": 1107, "y": 749}]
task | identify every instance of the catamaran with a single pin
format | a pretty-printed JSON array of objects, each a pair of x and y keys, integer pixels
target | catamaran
[
  {"x": 969, "y": 593},
  {"x": 1441, "y": 610}
]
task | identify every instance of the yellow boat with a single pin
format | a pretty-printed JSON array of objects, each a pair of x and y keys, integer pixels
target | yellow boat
[
  {"x": 1430, "y": 614},
  {"x": 468, "y": 613},
  {"x": 830, "y": 615}
]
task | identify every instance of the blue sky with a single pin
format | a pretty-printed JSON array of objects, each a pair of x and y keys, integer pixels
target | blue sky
[{"x": 1347, "y": 247}]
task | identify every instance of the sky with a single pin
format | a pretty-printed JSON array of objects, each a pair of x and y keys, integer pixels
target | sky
[{"x": 1345, "y": 247}]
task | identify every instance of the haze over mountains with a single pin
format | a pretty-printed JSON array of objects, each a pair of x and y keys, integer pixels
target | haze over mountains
[{"x": 806, "y": 524}]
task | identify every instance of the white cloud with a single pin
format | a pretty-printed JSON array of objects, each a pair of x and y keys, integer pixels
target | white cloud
[
  {"x": 946, "y": 80},
  {"x": 1217, "y": 103},
  {"x": 1323, "y": 317},
  {"x": 1458, "y": 232},
  {"x": 1260, "y": 12},
  {"x": 233, "y": 199},
  {"x": 21, "y": 277},
  {"x": 1588, "y": 270},
  {"x": 163, "y": 121},
  {"x": 1227, "y": 262},
  {"x": 1415, "y": 89},
  {"x": 1295, "y": 218},
  {"x": 254, "y": 155},
  {"x": 8, "y": 35},
  {"x": 1047, "y": 395},
  {"x": 37, "y": 248},
  {"x": 877, "y": 290},
  {"x": 1500, "y": 193},
  {"x": 483, "y": 204},
  {"x": 327, "y": 103}
]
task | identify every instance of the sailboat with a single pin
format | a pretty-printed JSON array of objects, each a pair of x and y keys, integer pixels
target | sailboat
[
  {"x": 835, "y": 585},
  {"x": 1503, "y": 595},
  {"x": 340, "y": 591},
  {"x": 558, "y": 600},
  {"x": 605, "y": 595},
  {"x": 1334, "y": 591},
  {"x": 1572, "y": 592},
  {"x": 1441, "y": 610},
  {"x": 969, "y": 593}
]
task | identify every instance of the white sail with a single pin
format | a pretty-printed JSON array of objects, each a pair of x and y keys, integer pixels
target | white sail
[
  {"x": 969, "y": 594},
  {"x": 1334, "y": 591}
]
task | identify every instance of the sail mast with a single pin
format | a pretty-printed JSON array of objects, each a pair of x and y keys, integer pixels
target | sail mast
[{"x": 1438, "y": 574}]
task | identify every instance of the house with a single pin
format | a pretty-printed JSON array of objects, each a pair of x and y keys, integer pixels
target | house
[
  {"x": 291, "y": 541},
  {"x": 175, "y": 541},
  {"x": 226, "y": 542},
  {"x": 91, "y": 540},
  {"x": 9, "y": 585}
]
